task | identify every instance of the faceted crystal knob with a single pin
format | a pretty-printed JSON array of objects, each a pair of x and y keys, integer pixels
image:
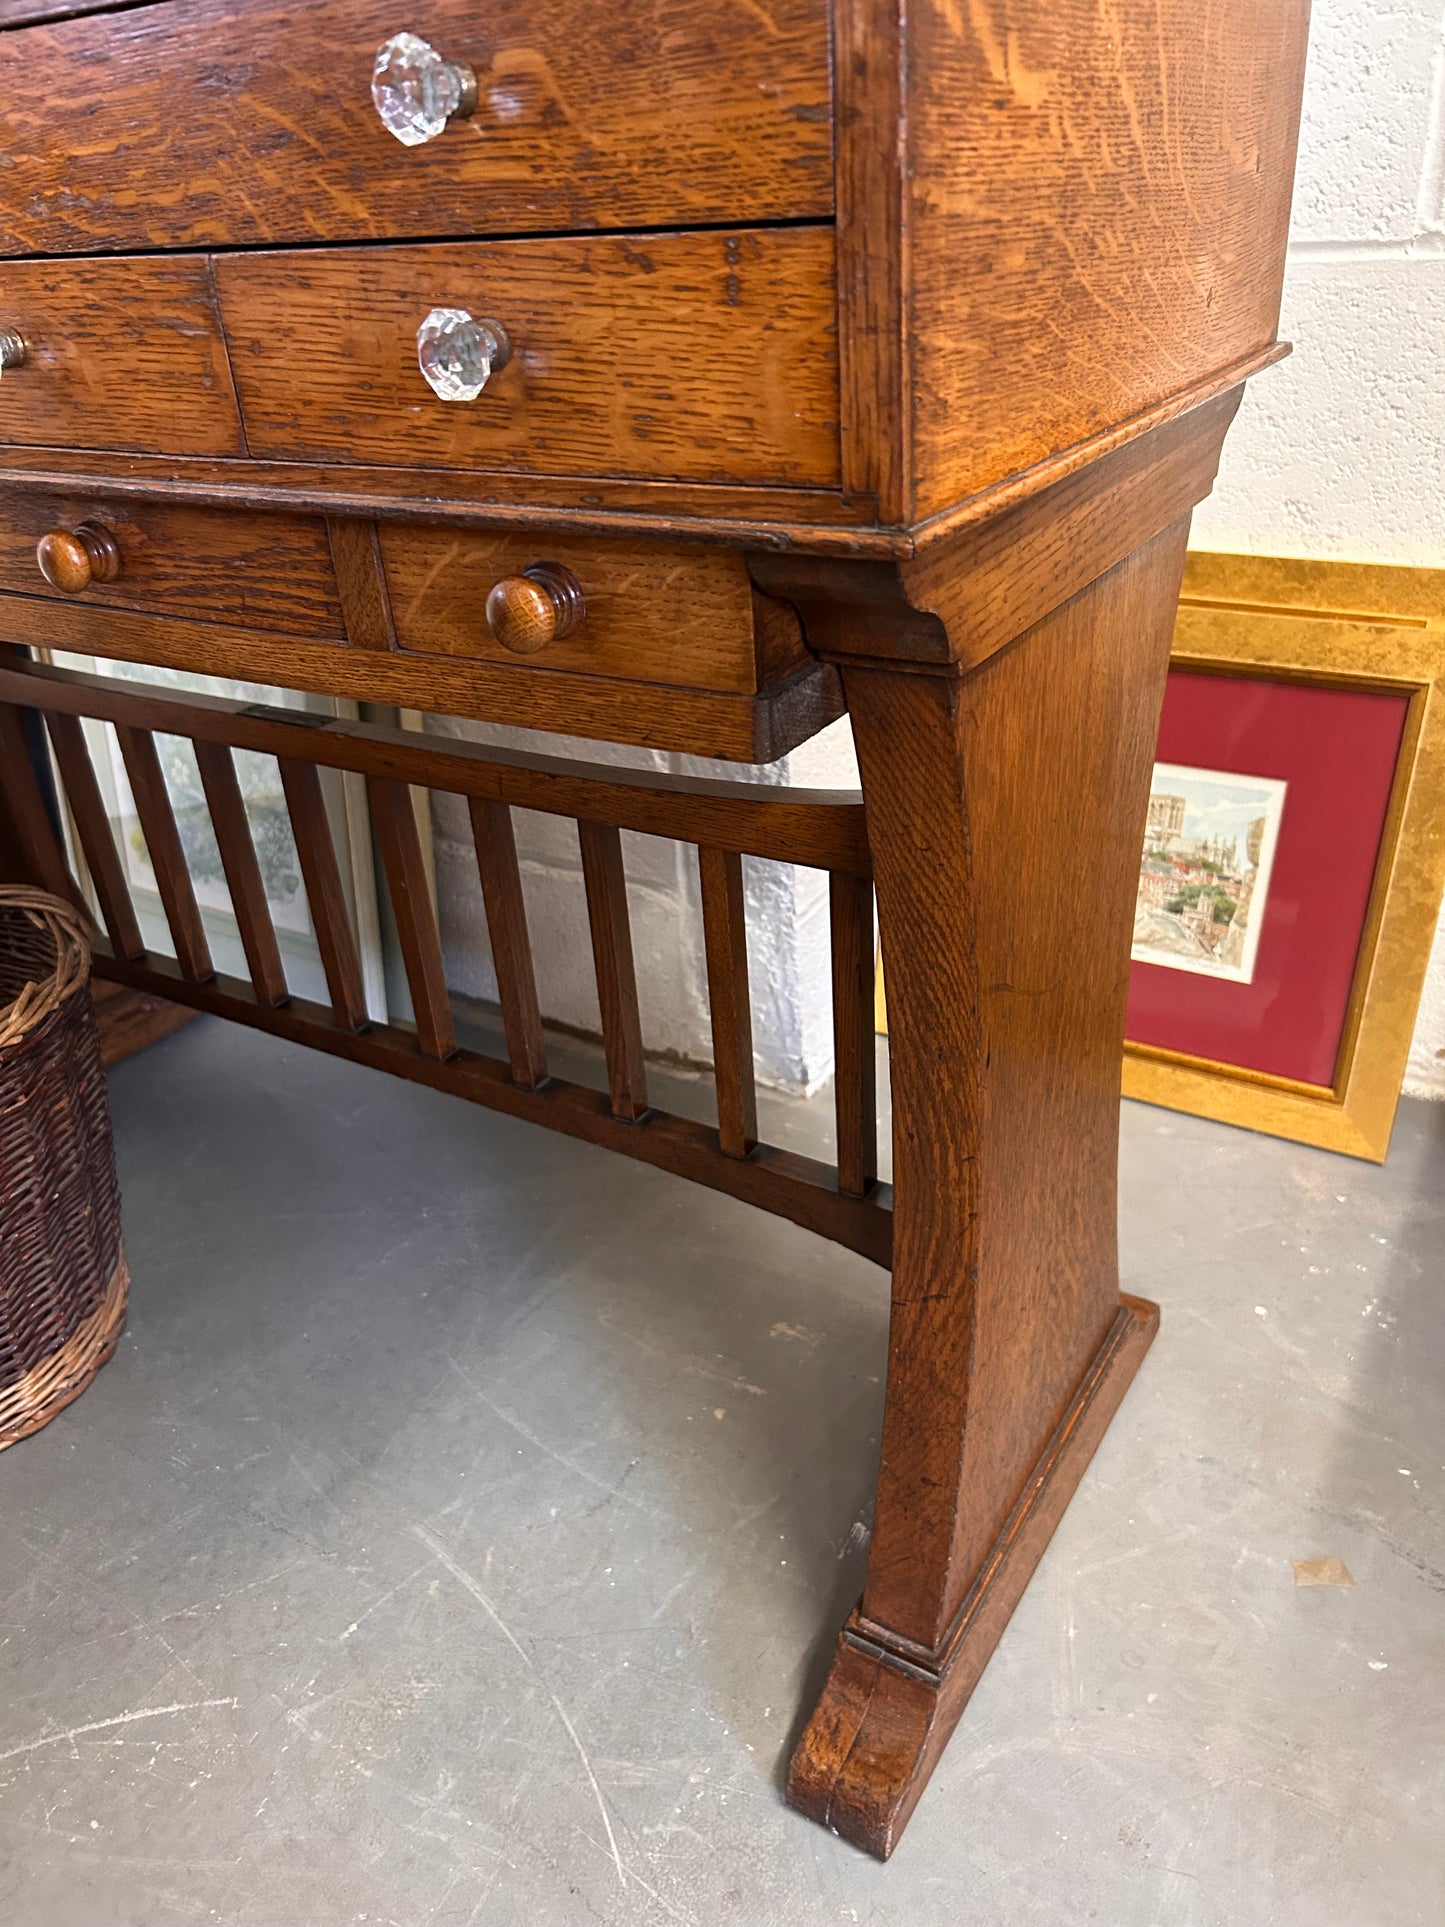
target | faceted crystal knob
[
  {"x": 417, "y": 92},
  {"x": 459, "y": 355}
]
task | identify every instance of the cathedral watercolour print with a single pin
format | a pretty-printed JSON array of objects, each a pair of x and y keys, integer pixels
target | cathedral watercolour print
[{"x": 1204, "y": 880}]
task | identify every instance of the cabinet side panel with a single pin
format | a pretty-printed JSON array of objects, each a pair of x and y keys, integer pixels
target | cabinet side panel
[{"x": 1099, "y": 205}]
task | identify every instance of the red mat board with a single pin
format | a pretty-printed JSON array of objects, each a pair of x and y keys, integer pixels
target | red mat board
[{"x": 1335, "y": 750}]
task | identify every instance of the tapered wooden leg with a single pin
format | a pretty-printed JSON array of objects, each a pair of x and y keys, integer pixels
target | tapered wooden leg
[{"x": 1006, "y": 806}]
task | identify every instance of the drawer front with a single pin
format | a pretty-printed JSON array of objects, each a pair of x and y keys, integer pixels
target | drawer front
[
  {"x": 272, "y": 572},
  {"x": 691, "y": 357},
  {"x": 122, "y": 355},
  {"x": 685, "y": 618},
  {"x": 199, "y": 123}
]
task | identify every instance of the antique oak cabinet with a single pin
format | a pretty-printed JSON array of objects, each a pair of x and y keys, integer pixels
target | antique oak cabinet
[{"x": 682, "y": 375}]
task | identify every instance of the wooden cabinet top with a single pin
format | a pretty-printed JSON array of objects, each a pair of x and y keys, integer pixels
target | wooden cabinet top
[{"x": 782, "y": 274}]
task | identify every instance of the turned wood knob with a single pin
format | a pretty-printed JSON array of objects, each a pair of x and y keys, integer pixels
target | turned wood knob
[
  {"x": 71, "y": 559},
  {"x": 525, "y": 612}
]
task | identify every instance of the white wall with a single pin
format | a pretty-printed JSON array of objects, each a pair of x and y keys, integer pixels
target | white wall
[
  {"x": 1341, "y": 450},
  {"x": 1336, "y": 453}
]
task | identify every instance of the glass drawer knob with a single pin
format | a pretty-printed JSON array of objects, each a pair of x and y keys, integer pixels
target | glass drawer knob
[
  {"x": 417, "y": 92},
  {"x": 71, "y": 559},
  {"x": 458, "y": 354}
]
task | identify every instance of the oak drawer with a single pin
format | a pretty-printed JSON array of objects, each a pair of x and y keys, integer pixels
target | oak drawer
[
  {"x": 696, "y": 357},
  {"x": 123, "y": 355},
  {"x": 272, "y": 572},
  {"x": 674, "y": 650},
  {"x": 198, "y": 123},
  {"x": 683, "y": 618}
]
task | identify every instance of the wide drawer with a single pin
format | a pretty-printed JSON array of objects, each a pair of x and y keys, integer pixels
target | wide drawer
[
  {"x": 272, "y": 572},
  {"x": 120, "y": 355},
  {"x": 198, "y": 123},
  {"x": 697, "y": 357}
]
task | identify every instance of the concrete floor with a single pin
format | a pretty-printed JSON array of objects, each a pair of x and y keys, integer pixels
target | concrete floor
[{"x": 466, "y": 1517}]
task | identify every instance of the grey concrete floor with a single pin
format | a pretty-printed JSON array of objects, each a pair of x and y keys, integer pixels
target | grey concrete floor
[{"x": 465, "y": 1519}]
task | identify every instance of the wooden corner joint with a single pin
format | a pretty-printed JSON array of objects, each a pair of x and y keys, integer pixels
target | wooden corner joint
[{"x": 970, "y": 590}]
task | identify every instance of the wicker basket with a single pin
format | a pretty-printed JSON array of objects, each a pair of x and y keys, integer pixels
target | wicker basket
[{"x": 63, "y": 1278}]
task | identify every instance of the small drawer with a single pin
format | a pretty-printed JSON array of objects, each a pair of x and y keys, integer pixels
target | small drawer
[
  {"x": 708, "y": 358},
  {"x": 200, "y": 123},
  {"x": 645, "y": 612},
  {"x": 271, "y": 572},
  {"x": 120, "y": 355}
]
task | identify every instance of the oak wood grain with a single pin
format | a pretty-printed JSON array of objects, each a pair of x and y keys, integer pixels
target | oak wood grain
[
  {"x": 741, "y": 728},
  {"x": 165, "y": 851},
  {"x": 35, "y": 849},
  {"x": 207, "y": 125},
  {"x": 273, "y": 571},
  {"x": 361, "y": 582},
  {"x": 855, "y": 1076},
  {"x": 655, "y": 612},
  {"x": 884, "y": 1719},
  {"x": 1096, "y": 216},
  {"x": 501, "y": 880},
  {"x": 725, "y": 940},
  {"x": 127, "y": 1021},
  {"x": 243, "y": 872},
  {"x": 494, "y": 499},
  {"x": 325, "y": 897},
  {"x": 784, "y": 1182},
  {"x": 1004, "y": 1054},
  {"x": 97, "y": 838},
  {"x": 824, "y": 829},
  {"x": 706, "y": 357},
  {"x": 874, "y": 346},
  {"x": 612, "y": 958},
  {"x": 122, "y": 355},
  {"x": 399, "y": 845}
]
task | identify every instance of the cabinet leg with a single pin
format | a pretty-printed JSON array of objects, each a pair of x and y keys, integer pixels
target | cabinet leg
[{"x": 1006, "y": 810}]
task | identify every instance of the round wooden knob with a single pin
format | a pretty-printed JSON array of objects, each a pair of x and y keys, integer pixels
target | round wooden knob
[
  {"x": 71, "y": 559},
  {"x": 544, "y": 603}
]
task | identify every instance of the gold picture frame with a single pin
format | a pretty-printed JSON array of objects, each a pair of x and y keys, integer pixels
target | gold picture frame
[
  {"x": 1342, "y": 625},
  {"x": 1346, "y": 625}
]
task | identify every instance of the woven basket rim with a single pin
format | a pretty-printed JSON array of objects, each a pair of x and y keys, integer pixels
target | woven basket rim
[{"x": 67, "y": 927}]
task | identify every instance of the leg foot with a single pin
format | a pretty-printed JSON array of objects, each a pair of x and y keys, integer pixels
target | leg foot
[{"x": 889, "y": 1705}]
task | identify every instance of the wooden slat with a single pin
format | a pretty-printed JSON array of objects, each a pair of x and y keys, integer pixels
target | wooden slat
[
  {"x": 97, "y": 838},
  {"x": 243, "y": 872},
  {"x": 795, "y": 1187},
  {"x": 616, "y": 971},
  {"x": 163, "y": 847},
  {"x": 496, "y": 846},
  {"x": 37, "y": 846},
  {"x": 324, "y": 895},
  {"x": 361, "y": 582},
  {"x": 824, "y": 829},
  {"x": 416, "y": 924},
  {"x": 855, "y": 1078},
  {"x": 726, "y": 942}
]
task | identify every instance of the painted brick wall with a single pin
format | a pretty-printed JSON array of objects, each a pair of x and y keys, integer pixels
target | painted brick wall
[{"x": 1341, "y": 451}]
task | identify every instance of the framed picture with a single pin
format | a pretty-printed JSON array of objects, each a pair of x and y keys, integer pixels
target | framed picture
[{"x": 1294, "y": 850}]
